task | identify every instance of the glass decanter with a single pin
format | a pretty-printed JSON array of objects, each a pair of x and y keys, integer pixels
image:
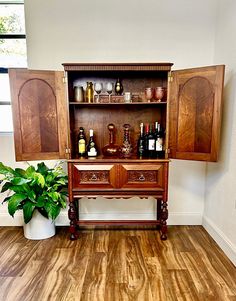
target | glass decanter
[
  {"x": 111, "y": 149},
  {"x": 126, "y": 148}
]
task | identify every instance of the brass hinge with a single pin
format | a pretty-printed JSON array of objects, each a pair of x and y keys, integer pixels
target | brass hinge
[
  {"x": 167, "y": 151},
  {"x": 64, "y": 79},
  {"x": 170, "y": 77},
  {"x": 67, "y": 150}
]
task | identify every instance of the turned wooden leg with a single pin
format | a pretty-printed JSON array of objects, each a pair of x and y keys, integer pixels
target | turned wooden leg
[
  {"x": 72, "y": 214},
  {"x": 164, "y": 216}
]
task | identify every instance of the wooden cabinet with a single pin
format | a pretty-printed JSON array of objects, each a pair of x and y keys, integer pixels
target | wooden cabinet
[{"x": 46, "y": 124}]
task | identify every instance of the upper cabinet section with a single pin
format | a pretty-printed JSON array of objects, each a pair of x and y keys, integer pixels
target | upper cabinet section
[
  {"x": 39, "y": 114},
  {"x": 195, "y": 104}
]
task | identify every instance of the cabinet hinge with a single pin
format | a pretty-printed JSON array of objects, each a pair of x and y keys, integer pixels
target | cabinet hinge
[
  {"x": 67, "y": 150},
  {"x": 167, "y": 151},
  {"x": 64, "y": 79},
  {"x": 170, "y": 77}
]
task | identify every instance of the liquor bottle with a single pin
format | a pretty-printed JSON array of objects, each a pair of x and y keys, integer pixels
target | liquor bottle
[
  {"x": 146, "y": 140},
  {"x": 91, "y": 147},
  {"x": 89, "y": 93},
  {"x": 118, "y": 87},
  {"x": 141, "y": 143},
  {"x": 81, "y": 143},
  {"x": 151, "y": 144},
  {"x": 159, "y": 142}
]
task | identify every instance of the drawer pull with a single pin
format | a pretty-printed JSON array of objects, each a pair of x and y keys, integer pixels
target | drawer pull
[
  {"x": 141, "y": 178},
  {"x": 93, "y": 178}
]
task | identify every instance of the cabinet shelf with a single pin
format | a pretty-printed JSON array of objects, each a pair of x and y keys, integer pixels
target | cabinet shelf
[{"x": 117, "y": 104}]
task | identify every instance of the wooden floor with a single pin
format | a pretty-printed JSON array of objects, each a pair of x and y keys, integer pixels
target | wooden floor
[{"x": 115, "y": 264}]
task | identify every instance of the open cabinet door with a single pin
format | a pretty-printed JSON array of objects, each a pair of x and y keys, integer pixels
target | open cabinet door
[
  {"x": 195, "y": 102},
  {"x": 39, "y": 114}
]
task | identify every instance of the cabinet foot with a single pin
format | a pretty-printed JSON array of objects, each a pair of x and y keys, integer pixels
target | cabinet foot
[
  {"x": 164, "y": 216},
  {"x": 72, "y": 214}
]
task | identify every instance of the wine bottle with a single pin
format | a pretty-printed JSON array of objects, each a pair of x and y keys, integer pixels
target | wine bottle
[
  {"x": 141, "y": 143},
  {"x": 118, "y": 87},
  {"x": 81, "y": 142},
  {"x": 146, "y": 140},
  {"x": 151, "y": 143},
  {"x": 159, "y": 141},
  {"x": 91, "y": 147}
]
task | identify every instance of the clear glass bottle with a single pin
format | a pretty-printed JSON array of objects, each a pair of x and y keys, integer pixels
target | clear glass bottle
[
  {"x": 89, "y": 93},
  {"x": 141, "y": 143},
  {"x": 91, "y": 147}
]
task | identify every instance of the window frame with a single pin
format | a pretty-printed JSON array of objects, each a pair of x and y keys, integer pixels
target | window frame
[{"x": 8, "y": 36}]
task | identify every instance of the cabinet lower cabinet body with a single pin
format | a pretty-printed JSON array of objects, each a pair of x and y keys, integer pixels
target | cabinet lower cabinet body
[{"x": 118, "y": 179}]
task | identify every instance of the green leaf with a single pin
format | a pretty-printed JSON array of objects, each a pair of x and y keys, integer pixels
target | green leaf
[
  {"x": 40, "y": 202},
  {"x": 4, "y": 170},
  {"x": 20, "y": 172},
  {"x": 30, "y": 171},
  {"x": 14, "y": 202},
  {"x": 6, "y": 186},
  {"x": 54, "y": 195},
  {"x": 19, "y": 181},
  {"x": 52, "y": 210},
  {"x": 42, "y": 168},
  {"x": 39, "y": 179},
  {"x": 28, "y": 209}
]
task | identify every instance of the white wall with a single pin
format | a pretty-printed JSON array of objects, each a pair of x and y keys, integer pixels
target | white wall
[
  {"x": 220, "y": 197},
  {"x": 127, "y": 31}
]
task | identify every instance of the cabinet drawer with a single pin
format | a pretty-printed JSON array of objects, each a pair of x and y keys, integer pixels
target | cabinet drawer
[
  {"x": 94, "y": 176},
  {"x": 141, "y": 176}
]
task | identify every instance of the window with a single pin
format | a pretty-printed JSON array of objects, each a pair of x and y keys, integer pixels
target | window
[{"x": 12, "y": 53}]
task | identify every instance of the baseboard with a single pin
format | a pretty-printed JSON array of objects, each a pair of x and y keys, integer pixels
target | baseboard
[
  {"x": 175, "y": 218},
  {"x": 221, "y": 239},
  {"x": 7, "y": 220}
]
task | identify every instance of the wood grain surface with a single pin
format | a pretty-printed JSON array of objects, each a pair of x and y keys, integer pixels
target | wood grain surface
[{"x": 118, "y": 264}]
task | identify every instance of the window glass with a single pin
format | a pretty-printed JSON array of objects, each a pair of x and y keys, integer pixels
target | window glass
[
  {"x": 12, "y": 19},
  {"x": 13, "y": 53}
]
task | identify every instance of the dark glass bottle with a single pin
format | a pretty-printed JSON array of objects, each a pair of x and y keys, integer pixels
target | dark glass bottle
[
  {"x": 146, "y": 140},
  {"x": 159, "y": 142},
  {"x": 151, "y": 144},
  {"x": 81, "y": 143},
  {"x": 141, "y": 143},
  {"x": 91, "y": 147},
  {"x": 118, "y": 87}
]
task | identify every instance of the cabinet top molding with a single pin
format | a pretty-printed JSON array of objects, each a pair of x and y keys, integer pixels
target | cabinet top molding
[{"x": 117, "y": 66}]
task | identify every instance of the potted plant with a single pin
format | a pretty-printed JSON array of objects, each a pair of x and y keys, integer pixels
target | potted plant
[{"x": 39, "y": 192}]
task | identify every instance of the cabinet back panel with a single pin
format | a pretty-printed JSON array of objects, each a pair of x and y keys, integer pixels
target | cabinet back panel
[
  {"x": 134, "y": 82},
  {"x": 98, "y": 118}
]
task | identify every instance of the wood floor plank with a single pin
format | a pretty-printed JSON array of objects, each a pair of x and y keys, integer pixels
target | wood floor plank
[{"x": 115, "y": 265}]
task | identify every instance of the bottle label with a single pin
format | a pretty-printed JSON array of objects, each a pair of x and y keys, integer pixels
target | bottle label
[
  {"x": 151, "y": 144},
  {"x": 92, "y": 152},
  {"x": 81, "y": 146},
  {"x": 159, "y": 144}
]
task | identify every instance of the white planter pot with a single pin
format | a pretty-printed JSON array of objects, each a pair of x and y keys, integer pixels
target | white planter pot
[{"x": 39, "y": 227}]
